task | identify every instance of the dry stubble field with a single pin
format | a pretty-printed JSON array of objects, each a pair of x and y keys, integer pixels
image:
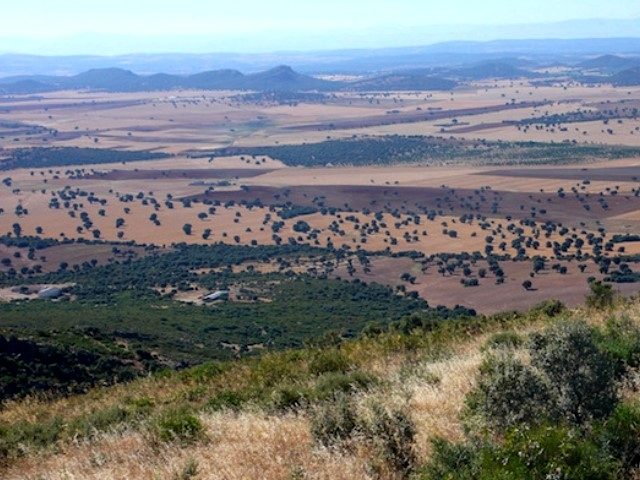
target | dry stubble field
[{"x": 184, "y": 122}]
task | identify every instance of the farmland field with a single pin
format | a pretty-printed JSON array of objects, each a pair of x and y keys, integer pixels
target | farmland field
[
  {"x": 481, "y": 170},
  {"x": 386, "y": 202}
]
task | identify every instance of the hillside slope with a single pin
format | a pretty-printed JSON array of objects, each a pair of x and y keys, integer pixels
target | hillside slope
[{"x": 365, "y": 408}]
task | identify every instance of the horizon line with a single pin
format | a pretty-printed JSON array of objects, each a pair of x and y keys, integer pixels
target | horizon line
[{"x": 312, "y": 51}]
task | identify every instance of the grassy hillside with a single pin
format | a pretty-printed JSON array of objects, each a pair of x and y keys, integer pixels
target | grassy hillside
[{"x": 472, "y": 398}]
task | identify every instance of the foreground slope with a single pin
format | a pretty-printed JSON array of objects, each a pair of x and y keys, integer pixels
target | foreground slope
[{"x": 365, "y": 408}]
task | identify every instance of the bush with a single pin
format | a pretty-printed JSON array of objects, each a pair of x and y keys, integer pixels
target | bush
[
  {"x": 289, "y": 397},
  {"x": 451, "y": 461},
  {"x": 393, "y": 434},
  {"x": 179, "y": 425},
  {"x": 548, "y": 452},
  {"x": 100, "y": 421},
  {"x": 506, "y": 340},
  {"x": 620, "y": 339},
  {"x": 620, "y": 435},
  {"x": 301, "y": 227},
  {"x": 509, "y": 393},
  {"x": 330, "y": 360},
  {"x": 544, "y": 452},
  {"x": 333, "y": 422},
  {"x": 23, "y": 434},
  {"x": 550, "y": 308},
  {"x": 601, "y": 295},
  {"x": 294, "y": 395},
  {"x": 560, "y": 413},
  {"x": 390, "y": 432},
  {"x": 226, "y": 399},
  {"x": 580, "y": 374},
  {"x": 330, "y": 383}
]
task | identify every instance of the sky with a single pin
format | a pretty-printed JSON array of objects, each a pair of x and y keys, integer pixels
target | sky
[{"x": 127, "y": 26}]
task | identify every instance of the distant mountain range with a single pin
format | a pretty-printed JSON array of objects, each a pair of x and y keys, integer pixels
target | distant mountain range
[
  {"x": 280, "y": 78},
  {"x": 358, "y": 61},
  {"x": 615, "y": 69}
]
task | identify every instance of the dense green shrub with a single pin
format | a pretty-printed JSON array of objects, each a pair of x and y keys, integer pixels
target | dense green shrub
[
  {"x": 620, "y": 339},
  {"x": 330, "y": 383},
  {"x": 389, "y": 431},
  {"x": 509, "y": 393},
  {"x": 543, "y": 452},
  {"x": 226, "y": 399},
  {"x": 504, "y": 340},
  {"x": 452, "y": 461},
  {"x": 179, "y": 425},
  {"x": 555, "y": 418},
  {"x": 28, "y": 434},
  {"x": 289, "y": 397},
  {"x": 550, "y": 308},
  {"x": 326, "y": 386},
  {"x": 19, "y": 436},
  {"x": 329, "y": 360},
  {"x": 28, "y": 367},
  {"x": 570, "y": 378},
  {"x": 620, "y": 435},
  {"x": 601, "y": 295},
  {"x": 580, "y": 375},
  {"x": 550, "y": 452}
]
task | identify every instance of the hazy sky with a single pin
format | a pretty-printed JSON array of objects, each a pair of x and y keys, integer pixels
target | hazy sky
[{"x": 247, "y": 25}]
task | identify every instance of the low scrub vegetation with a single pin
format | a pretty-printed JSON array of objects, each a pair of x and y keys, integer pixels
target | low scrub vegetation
[
  {"x": 554, "y": 411},
  {"x": 393, "y": 149},
  {"x": 45, "y": 157}
]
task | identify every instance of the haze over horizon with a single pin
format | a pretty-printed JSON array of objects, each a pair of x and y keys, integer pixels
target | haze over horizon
[{"x": 250, "y": 26}]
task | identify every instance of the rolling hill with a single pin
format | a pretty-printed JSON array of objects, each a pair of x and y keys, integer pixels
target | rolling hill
[
  {"x": 627, "y": 77},
  {"x": 281, "y": 78},
  {"x": 610, "y": 63},
  {"x": 410, "y": 80},
  {"x": 497, "y": 69}
]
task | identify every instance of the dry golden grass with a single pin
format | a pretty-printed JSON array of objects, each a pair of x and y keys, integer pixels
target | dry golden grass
[{"x": 237, "y": 447}]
